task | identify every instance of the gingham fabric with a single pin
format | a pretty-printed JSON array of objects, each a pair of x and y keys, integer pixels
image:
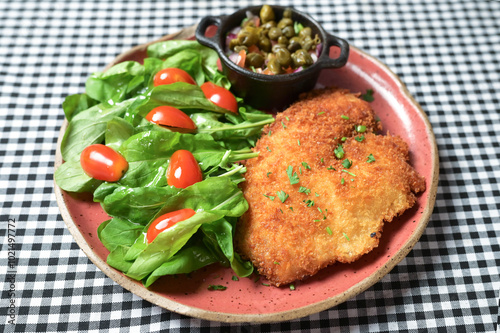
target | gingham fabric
[{"x": 446, "y": 52}]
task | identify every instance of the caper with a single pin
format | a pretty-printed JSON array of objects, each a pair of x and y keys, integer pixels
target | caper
[
  {"x": 265, "y": 44},
  {"x": 277, "y": 46},
  {"x": 301, "y": 58},
  {"x": 283, "y": 40},
  {"x": 254, "y": 59},
  {"x": 266, "y": 14},
  {"x": 288, "y": 31},
  {"x": 287, "y": 13},
  {"x": 307, "y": 45},
  {"x": 248, "y": 38},
  {"x": 294, "y": 44},
  {"x": 284, "y": 22},
  {"x": 305, "y": 32},
  {"x": 274, "y": 33},
  {"x": 283, "y": 57},
  {"x": 234, "y": 43},
  {"x": 274, "y": 66},
  {"x": 268, "y": 25},
  {"x": 238, "y": 48}
]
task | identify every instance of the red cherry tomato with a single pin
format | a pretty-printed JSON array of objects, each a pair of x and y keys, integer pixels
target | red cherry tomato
[
  {"x": 170, "y": 116},
  {"x": 103, "y": 163},
  {"x": 172, "y": 75},
  {"x": 166, "y": 221},
  {"x": 220, "y": 96},
  {"x": 183, "y": 170}
]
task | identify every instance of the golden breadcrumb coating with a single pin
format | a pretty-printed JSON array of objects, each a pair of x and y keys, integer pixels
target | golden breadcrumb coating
[{"x": 335, "y": 211}]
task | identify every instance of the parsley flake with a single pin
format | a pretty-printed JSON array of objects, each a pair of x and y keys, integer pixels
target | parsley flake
[
  {"x": 216, "y": 287},
  {"x": 329, "y": 231},
  {"x": 339, "y": 152},
  {"x": 283, "y": 124},
  {"x": 305, "y": 190},
  {"x": 282, "y": 196},
  {"x": 269, "y": 150},
  {"x": 346, "y": 237},
  {"x": 359, "y": 138},
  {"x": 347, "y": 164},
  {"x": 298, "y": 142},
  {"x": 309, "y": 203},
  {"x": 343, "y": 139},
  {"x": 235, "y": 278},
  {"x": 331, "y": 168},
  {"x": 291, "y": 208},
  {"x": 292, "y": 176},
  {"x": 305, "y": 165},
  {"x": 268, "y": 174},
  {"x": 292, "y": 287},
  {"x": 342, "y": 181},
  {"x": 371, "y": 159},
  {"x": 316, "y": 194},
  {"x": 344, "y": 117},
  {"x": 320, "y": 113},
  {"x": 368, "y": 96},
  {"x": 269, "y": 197}
]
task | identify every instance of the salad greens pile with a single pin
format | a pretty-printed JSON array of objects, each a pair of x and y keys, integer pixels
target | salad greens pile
[{"x": 112, "y": 111}]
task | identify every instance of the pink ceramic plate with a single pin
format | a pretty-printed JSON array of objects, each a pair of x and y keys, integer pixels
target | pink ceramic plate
[{"x": 248, "y": 300}]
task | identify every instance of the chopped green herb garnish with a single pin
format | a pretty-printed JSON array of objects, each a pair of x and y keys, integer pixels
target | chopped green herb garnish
[
  {"x": 283, "y": 124},
  {"x": 269, "y": 133},
  {"x": 288, "y": 119},
  {"x": 282, "y": 196},
  {"x": 305, "y": 190},
  {"x": 359, "y": 138},
  {"x": 216, "y": 287},
  {"x": 297, "y": 27},
  {"x": 316, "y": 194},
  {"x": 368, "y": 96},
  {"x": 339, "y": 152},
  {"x": 316, "y": 220},
  {"x": 291, "y": 208},
  {"x": 281, "y": 210},
  {"x": 268, "y": 174},
  {"x": 292, "y": 287},
  {"x": 309, "y": 203},
  {"x": 342, "y": 181},
  {"x": 331, "y": 168},
  {"x": 320, "y": 113},
  {"x": 276, "y": 263},
  {"x": 305, "y": 165},
  {"x": 235, "y": 278},
  {"x": 319, "y": 210},
  {"x": 345, "y": 235},
  {"x": 268, "y": 149},
  {"x": 300, "y": 170},
  {"x": 350, "y": 173},
  {"x": 344, "y": 117},
  {"x": 269, "y": 197},
  {"x": 322, "y": 160},
  {"x": 266, "y": 284},
  {"x": 370, "y": 158},
  {"x": 360, "y": 128},
  {"x": 347, "y": 164},
  {"x": 298, "y": 142},
  {"x": 343, "y": 139},
  {"x": 292, "y": 176},
  {"x": 329, "y": 231}
]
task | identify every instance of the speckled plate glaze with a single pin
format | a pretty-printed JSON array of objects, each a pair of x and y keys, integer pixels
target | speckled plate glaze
[{"x": 249, "y": 299}]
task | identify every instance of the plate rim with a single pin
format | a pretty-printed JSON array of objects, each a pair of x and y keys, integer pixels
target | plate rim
[{"x": 168, "y": 304}]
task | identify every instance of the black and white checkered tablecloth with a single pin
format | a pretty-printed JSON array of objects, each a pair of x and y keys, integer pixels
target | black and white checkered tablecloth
[{"x": 446, "y": 52}]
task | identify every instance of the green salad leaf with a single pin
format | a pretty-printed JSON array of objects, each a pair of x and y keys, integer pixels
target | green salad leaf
[{"x": 113, "y": 111}]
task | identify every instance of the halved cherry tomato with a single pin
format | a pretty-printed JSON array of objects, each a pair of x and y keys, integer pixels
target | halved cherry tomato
[
  {"x": 166, "y": 221},
  {"x": 103, "y": 163},
  {"x": 170, "y": 116},
  {"x": 172, "y": 75},
  {"x": 183, "y": 170},
  {"x": 220, "y": 96}
]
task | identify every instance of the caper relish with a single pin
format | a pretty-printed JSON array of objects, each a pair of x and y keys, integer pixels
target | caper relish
[{"x": 267, "y": 46}]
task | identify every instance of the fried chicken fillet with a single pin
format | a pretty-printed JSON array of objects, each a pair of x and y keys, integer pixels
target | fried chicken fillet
[{"x": 336, "y": 210}]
